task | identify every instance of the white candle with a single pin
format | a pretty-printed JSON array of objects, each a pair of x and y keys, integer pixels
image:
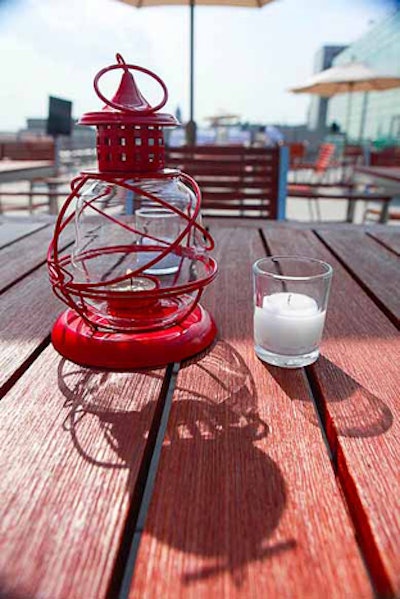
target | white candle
[{"x": 288, "y": 324}]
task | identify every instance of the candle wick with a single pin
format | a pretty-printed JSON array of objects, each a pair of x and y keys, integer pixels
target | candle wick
[{"x": 128, "y": 272}]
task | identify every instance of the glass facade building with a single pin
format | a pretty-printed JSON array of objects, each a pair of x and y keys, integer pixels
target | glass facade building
[{"x": 374, "y": 116}]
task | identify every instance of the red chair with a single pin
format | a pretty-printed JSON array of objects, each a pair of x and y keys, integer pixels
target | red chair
[
  {"x": 328, "y": 180},
  {"x": 317, "y": 171}
]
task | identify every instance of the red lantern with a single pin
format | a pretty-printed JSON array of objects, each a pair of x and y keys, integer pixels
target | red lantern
[{"x": 134, "y": 276}]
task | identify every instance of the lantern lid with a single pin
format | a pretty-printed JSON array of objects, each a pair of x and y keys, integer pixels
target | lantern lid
[{"x": 128, "y": 105}]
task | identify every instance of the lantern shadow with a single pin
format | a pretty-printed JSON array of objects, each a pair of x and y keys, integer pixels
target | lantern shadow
[
  {"x": 10, "y": 590},
  {"x": 214, "y": 476},
  {"x": 353, "y": 411}
]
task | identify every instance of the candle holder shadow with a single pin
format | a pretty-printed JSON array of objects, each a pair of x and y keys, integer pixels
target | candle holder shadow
[{"x": 345, "y": 407}]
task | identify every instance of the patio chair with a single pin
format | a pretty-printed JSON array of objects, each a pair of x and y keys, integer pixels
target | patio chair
[
  {"x": 318, "y": 171},
  {"x": 235, "y": 181},
  {"x": 333, "y": 180},
  {"x": 374, "y": 213}
]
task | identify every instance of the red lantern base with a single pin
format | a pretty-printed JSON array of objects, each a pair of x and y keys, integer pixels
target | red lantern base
[{"x": 77, "y": 342}]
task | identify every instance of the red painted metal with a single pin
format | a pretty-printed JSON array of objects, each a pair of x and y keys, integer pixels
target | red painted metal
[
  {"x": 129, "y": 130},
  {"x": 138, "y": 317},
  {"x": 77, "y": 342}
]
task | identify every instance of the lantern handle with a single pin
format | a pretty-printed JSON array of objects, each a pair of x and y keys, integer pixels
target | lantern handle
[{"x": 126, "y": 67}]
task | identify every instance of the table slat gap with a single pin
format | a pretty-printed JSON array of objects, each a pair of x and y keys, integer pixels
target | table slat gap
[
  {"x": 360, "y": 455},
  {"x": 120, "y": 585},
  {"x": 316, "y": 397},
  {"x": 87, "y": 507},
  {"x": 380, "y": 303},
  {"x": 235, "y": 501},
  {"x": 15, "y": 266},
  {"x": 20, "y": 371},
  {"x": 364, "y": 536},
  {"x": 362, "y": 530},
  {"x": 386, "y": 241},
  {"x": 22, "y": 236},
  {"x": 264, "y": 243}
]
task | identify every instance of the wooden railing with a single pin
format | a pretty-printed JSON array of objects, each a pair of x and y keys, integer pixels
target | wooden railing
[
  {"x": 38, "y": 149},
  {"x": 235, "y": 180}
]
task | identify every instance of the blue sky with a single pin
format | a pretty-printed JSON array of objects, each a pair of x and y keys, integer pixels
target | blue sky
[{"x": 245, "y": 59}]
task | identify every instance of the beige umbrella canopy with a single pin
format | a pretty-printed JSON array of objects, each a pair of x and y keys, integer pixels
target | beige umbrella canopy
[
  {"x": 192, "y": 3},
  {"x": 347, "y": 78}
]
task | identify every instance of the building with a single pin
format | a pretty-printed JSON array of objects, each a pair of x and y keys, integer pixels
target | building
[
  {"x": 317, "y": 120},
  {"x": 82, "y": 137},
  {"x": 374, "y": 116}
]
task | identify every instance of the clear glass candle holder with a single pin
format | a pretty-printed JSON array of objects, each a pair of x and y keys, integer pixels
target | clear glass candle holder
[{"x": 290, "y": 302}]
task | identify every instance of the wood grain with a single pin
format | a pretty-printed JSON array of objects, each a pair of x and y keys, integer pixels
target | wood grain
[
  {"x": 11, "y": 230},
  {"x": 27, "y": 313},
  {"x": 237, "y": 180},
  {"x": 389, "y": 238},
  {"x": 245, "y": 502},
  {"x": 374, "y": 266},
  {"x": 24, "y": 256},
  {"x": 73, "y": 441},
  {"x": 357, "y": 380}
]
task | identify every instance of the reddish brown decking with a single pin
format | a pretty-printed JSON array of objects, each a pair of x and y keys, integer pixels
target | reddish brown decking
[{"x": 219, "y": 477}]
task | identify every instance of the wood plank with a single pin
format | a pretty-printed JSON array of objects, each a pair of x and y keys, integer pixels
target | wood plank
[
  {"x": 245, "y": 496},
  {"x": 377, "y": 268},
  {"x": 234, "y": 183},
  {"x": 27, "y": 313},
  {"x": 357, "y": 378},
  {"x": 230, "y": 173},
  {"x": 217, "y": 150},
  {"x": 24, "y": 256},
  {"x": 11, "y": 230},
  {"x": 18, "y": 170},
  {"x": 73, "y": 443},
  {"x": 200, "y": 169},
  {"x": 388, "y": 237}
]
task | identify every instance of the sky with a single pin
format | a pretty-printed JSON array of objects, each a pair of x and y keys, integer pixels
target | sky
[{"x": 246, "y": 59}]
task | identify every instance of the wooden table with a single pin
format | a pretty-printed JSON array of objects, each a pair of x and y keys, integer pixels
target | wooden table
[
  {"x": 384, "y": 174},
  {"x": 17, "y": 170},
  {"x": 386, "y": 177},
  {"x": 217, "y": 477}
]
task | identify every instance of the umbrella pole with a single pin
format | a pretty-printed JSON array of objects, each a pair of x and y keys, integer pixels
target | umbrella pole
[
  {"x": 191, "y": 125},
  {"x": 191, "y": 59},
  {"x": 348, "y": 115},
  {"x": 363, "y": 116}
]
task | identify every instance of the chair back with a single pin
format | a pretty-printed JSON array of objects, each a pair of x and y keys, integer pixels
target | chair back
[
  {"x": 324, "y": 158},
  {"x": 235, "y": 180},
  {"x": 297, "y": 152}
]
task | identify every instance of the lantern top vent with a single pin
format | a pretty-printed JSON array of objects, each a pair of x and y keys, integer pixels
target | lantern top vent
[{"x": 129, "y": 130}]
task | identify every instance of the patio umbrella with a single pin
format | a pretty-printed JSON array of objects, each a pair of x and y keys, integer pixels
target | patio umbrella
[
  {"x": 192, "y": 3},
  {"x": 347, "y": 78}
]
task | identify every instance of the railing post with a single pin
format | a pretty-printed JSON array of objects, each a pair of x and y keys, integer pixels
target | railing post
[{"x": 282, "y": 182}]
